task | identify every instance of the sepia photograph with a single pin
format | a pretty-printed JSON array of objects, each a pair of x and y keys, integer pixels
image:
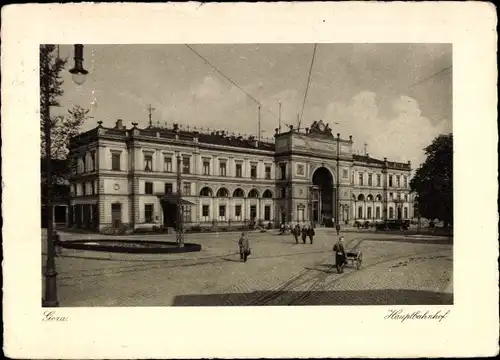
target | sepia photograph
[
  {"x": 246, "y": 174},
  {"x": 210, "y": 180}
]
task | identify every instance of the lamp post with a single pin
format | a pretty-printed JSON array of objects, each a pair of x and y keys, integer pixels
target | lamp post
[
  {"x": 78, "y": 73},
  {"x": 180, "y": 217},
  {"x": 50, "y": 298}
]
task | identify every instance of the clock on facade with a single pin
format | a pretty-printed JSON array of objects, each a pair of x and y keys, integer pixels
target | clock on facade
[{"x": 117, "y": 187}]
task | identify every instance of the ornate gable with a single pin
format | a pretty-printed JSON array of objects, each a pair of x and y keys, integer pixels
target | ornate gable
[{"x": 320, "y": 128}]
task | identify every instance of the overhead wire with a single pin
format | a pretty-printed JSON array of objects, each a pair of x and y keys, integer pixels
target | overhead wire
[
  {"x": 230, "y": 80},
  {"x": 307, "y": 86},
  {"x": 430, "y": 77}
]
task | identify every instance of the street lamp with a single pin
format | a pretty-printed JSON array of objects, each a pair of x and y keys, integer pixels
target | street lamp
[
  {"x": 180, "y": 217},
  {"x": 78, "y": 73}
]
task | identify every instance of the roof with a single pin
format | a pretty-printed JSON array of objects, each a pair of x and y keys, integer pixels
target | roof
[
  {"x": 214, "y": 138},
  {"x": 391, "y": 164}
]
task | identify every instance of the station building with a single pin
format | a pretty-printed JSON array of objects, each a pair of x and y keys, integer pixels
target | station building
[{"x": 130, "y": 175}]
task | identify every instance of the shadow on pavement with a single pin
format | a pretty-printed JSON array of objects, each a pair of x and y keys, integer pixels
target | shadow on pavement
[{"x": 362, "y": 297}]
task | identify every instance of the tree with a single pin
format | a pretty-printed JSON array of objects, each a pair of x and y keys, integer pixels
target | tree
[
  {"x": 62, "y": 127},
  {"x": 433, "y": 181}
]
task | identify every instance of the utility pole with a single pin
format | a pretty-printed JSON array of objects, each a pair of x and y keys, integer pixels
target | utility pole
[
  {"x": 258, "y": 136},
  {"x": 150, "y": 113},
  {"x": 337, "y": 196},
  {"x": 279, "y": 119}
]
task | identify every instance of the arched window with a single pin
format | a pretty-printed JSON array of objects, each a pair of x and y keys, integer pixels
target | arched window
[
  {"x": 267, "y": 194},
  {"x": 369, "y": 198},
  {"x": 361, "y": 197},
  {"x": 222, "y": 192},
  {"x": 206, "y": 191},
  {"x": 238, "y": 193},
  {"x": 253, "y": 194},
  {"x": 378, "y": 198}
]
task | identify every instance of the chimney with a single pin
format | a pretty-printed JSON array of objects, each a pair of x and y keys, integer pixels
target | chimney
[
  {"x": 291, "y": 127},
  {"x": 276, "y": 131},
  {"x": 222, "y": 133},
  {"x": 119, "y": 124},
  {"x": 350, "y": 138},
  {"x": 195, "y": 136},
  {"x": 176, "y": 127}
]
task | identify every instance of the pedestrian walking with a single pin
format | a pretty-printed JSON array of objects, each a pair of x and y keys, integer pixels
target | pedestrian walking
[
  {"x": 311, "y": 233},
  {"x": 340, "y": 255},
  {"x": 304, "y": 233},
  {"x": 337, "y": 227},
  {"x": 244, "y": 245},
  {"x": 296, "y": 233}
]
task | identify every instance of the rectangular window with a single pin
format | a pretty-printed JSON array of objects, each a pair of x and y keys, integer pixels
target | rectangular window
[
  {"x": 267, "y": 213},
  {"x": 390, "y": 180},
  {"x": 283, "y": 171},
  {"x": 352, "y": 178},
  {"x": 377, "y": 212},
  {"x": 148, "y": 213},
  {"x": 206, "y": 167},
  {"x": 239, "y": 172},
  {"x": 283, "y": 193},
  {"x": 406, "y": 212},
  {"x": 237, "y": 211},
  {"x": 405, "y": 181},
  {"x": 148, "y": 162},
  {"x": 253, "y": 212},
  {"x": 205, "y": 210},
  {"x": 222, "y": 169},
  {"x": 300, "y": 213},
  {"x": 167, "y": 166},
  {"x": 391, "y": 196},
  {"x": 268, "y": 172},
  {"x": 168, "y": 188},
  {"x": 186, "y": 166},
  {"x": 186, "y": 189},
  {"x": 379, "y": 180},
  {"x": 345, "y": 173},
  {"x": 222, "y": 211},
  {"x": 369, "y": 212},
  {"x": 92, "y": 161},
  {"x": 398, "y": 184},
  {"x": 361, "y": 179},
  {"x": 253, "y": 171},
  {"x": 187, "y": 214},
  {"x": 93, "y": 188},
  {"x": 115, "y": 161},
  {"x": 391, "y": 213},
  {"x": 370, "y": 179},
  {"x": 148, "y": 188}
]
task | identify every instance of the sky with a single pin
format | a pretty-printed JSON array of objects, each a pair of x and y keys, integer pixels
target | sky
[{"x": 392, "y": 98}]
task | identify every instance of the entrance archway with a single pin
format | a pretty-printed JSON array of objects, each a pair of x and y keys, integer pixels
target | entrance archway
[{"x": 323, "y": 199}]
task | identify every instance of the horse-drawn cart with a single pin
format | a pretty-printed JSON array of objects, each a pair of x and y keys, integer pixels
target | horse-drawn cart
[{"x": 354, "y": 257}]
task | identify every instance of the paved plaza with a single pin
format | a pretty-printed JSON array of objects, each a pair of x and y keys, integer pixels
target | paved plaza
[{"x": 396, "y": 269}]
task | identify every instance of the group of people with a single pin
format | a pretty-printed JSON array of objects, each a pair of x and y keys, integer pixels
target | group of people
[{"x": 304, "y": 232}]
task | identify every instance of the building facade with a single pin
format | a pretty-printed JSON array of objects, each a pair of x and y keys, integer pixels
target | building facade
[{"x": 130, "y": 176}]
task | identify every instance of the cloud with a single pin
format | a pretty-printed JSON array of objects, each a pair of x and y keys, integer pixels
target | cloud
[{"x": 400, "y": 135}]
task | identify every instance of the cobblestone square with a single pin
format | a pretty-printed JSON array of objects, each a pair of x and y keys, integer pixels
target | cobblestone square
[{"x": 396, "y": 269}]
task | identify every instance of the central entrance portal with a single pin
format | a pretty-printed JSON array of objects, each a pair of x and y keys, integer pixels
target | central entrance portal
[{"x": 323, "y": 198}]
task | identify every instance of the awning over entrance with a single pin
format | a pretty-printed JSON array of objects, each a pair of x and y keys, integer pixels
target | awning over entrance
[{"x": 172, "y": 199}]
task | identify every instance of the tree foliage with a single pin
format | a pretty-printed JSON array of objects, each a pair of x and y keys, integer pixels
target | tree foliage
[
  {"x": 433, "y": 181},
  {"x": 62, "y": 127}
]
